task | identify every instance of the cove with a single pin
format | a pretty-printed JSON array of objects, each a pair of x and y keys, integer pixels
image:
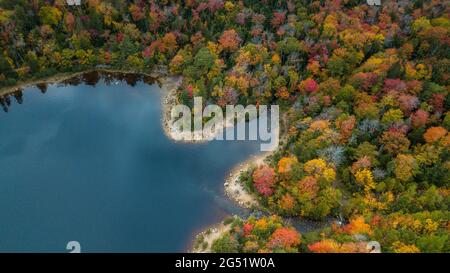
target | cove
[{"x": 88, "y": 161}]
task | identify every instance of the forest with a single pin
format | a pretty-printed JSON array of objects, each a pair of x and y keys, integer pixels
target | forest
[{"x": 365, "y": 90}]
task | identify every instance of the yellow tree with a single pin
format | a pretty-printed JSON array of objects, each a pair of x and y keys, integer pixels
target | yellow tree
[{"x": 405, "y": 167}]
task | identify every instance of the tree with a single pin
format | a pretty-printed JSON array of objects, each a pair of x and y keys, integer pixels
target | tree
[
  {"x": 225, "y": 244},
  {"x": 446, "y": 121},
  {"x": 368, "y": 150},
  {"x": 399, "y": 247},
  {"x": 50, "y": 15},
  {"x": 308, "y": 186},
  {"x": 408, "y": 103},
  {"x": 324, "y": 246},
  {"x": 230, "y": 40},
  {"x": 285, "y": 238},
  {"x": 288, "y": 45},
  {"x": 437, "y": 101},
  {"x": 405, "y": 167},
  {"x": 203, "y": 61},
  {"x": 169, "y": 43},
  {"x": 421, "y": 24},
  {"x": 278, "y": 18},
  {"x": 331, "y": 246},
  {"x": 395, "y": 142},
  {"x": 308, "y": 86},
  {"x": 136, "y": 12},
  {"x": 419, "y": 118},
  {"x": 346, "y": 125},
  {"x": 315, "y": 166},
  {"x": 286, "y": 163},
  {"x": 433, "y": 134},
  {"x": 6, "y": 67},
  {"x": 264, "y": 180},
  {"x": 357, "y": 225},
  {"x": 287, "y": 202},
  {"x": 392, "y": 116},
  {"x": 364, "y": 178},
  {"x": 69, "y": 21}
]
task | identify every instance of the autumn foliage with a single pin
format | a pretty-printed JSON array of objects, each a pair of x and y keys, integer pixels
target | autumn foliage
[
  {"x": 364, "y": 94},
  {"x": 230, "y": 40},
  {"x": 284, "y": 237},
  {"x": 434, "y": 134},
  {"x": 264, "y": 179}
]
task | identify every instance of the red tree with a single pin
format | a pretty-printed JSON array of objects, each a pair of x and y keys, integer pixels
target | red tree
[
  {"x": 263, "y": 180},
  {"x": 278, "y": 19},
  {"x": 284, "y": 237},
  {"x": 437, "y": 100},
  {"x": 230, "y": 40},
  {"x": 308, "y": 86},
  {"x": 419, "y": 118}
]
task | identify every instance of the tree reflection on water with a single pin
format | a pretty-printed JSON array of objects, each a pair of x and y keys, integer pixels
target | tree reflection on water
[{"x": 88, "y": 78}]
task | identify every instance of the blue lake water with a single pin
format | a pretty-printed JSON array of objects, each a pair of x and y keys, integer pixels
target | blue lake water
[{"x": 92, "y": 164}]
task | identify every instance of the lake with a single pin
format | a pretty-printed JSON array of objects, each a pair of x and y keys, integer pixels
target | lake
[{"x": 88, "y": 161}]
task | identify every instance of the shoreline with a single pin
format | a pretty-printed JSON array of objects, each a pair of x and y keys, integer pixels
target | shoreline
[
  {"x": 203, "y": 241},
  {"x": 55, "y": 79},
  {"x": 233, "y": 187},
  {"x": 63, "y": 76},
  {"x": 236, "y": 192},
  {"x": 169, "y": 99}
]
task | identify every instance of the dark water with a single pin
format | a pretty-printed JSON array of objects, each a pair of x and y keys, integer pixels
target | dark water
[{"x": 92, "y": 164}]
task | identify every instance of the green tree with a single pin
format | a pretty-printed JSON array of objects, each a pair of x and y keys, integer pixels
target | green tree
[{"x": 50, "y": 15}]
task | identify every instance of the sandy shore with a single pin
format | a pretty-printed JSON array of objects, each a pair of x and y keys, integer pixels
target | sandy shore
[
  {"x": 234, "y": 187},
  {"x": 169, "y": 87},
  {"x": 207, "y": 237}
]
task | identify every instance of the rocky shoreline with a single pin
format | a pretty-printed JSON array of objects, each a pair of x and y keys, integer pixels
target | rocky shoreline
[
  {"x": 234, "y": 187},
  {"x": 203, "y": 241},
  {"x": 169, "y": 86}
]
